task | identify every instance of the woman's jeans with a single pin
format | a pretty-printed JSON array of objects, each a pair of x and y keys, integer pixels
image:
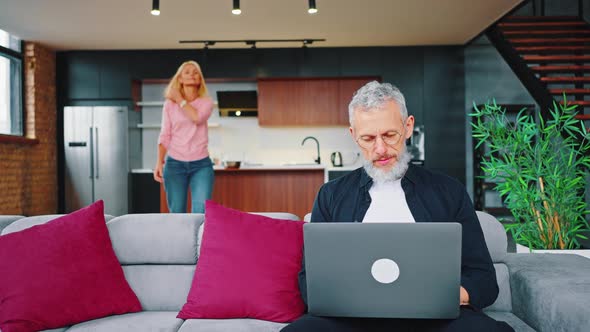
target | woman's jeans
[{"x": 180, "y": 175}]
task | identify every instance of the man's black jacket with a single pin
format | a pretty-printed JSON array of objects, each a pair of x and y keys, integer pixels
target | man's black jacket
[{"x": 431, "y": 197}]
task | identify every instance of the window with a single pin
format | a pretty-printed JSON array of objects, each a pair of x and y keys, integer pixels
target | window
[{"x": 11, "y": 90}]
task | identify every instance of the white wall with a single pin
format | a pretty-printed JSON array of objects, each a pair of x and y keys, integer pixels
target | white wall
[{"x": 243, "y": 139}]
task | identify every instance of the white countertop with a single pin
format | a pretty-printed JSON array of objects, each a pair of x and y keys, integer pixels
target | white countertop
[
  {"x": 270, "y": 167},
  {"x": 142, "y": 170},
  {"x": 277, "y": 167}
]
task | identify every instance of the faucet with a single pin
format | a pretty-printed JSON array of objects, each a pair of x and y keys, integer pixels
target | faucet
[{"x": 318, "y": 145}]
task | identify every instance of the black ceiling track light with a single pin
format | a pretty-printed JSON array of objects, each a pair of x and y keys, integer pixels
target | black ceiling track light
[
  {"x": 312, "y": 7},
  {"x": 252, "y": 42},
  {"x": 155, "y": 7},
  {"x": 236, "y": 8}
]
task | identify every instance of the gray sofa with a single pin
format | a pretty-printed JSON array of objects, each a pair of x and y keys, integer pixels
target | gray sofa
[{"x": 158, "y": 252}]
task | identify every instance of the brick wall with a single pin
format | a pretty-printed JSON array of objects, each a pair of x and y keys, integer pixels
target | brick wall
[{"x": 28, "y": 171}]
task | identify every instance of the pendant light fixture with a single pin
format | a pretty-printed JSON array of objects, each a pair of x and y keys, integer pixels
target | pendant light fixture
[
  {"x": 155, "y": 7},
  {"x": 312, "y": 7},
  {"x": 236, "y": 8}
]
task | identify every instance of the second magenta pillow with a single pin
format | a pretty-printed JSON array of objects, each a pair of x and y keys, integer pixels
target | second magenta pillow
[{"x": 247, "y": 268}]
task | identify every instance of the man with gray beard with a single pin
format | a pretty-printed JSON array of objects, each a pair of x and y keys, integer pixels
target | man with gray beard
[{"x": 390, "y": 189}]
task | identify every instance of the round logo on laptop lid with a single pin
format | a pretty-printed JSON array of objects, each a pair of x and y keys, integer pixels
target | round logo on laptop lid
[{"x": 385, "y": 270}]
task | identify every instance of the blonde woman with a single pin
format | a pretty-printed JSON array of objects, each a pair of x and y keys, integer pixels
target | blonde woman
[{"x": 183, "y": 158}]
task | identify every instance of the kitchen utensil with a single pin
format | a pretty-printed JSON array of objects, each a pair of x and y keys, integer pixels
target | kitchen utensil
[
  {"x": 232, "y": 164},
  {"x": 336, "y": 158}
]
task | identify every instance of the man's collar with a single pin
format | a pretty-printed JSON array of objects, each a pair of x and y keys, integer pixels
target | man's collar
[
  {"x": 366, "y": 180},
  {"x": 410, "y": 175}
]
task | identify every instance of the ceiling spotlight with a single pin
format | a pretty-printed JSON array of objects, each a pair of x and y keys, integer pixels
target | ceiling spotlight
[
  {"x": 307, "y": 42},
  {"x": 312, "y": 7},
  {"x": 236, "y": 8},
  {"x": 155, "y": 7}
]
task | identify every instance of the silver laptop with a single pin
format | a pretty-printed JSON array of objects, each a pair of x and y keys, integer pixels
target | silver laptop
[{"x": 385, "y": 270}]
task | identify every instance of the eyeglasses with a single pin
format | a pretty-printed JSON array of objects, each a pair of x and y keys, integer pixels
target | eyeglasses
[{"x": 390, "y": 138}]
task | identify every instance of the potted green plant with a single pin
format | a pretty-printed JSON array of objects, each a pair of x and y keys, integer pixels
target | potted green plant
[{"x": 540, "y": 168}]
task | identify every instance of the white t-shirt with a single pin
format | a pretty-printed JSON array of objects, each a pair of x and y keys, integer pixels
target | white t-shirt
[{"x": 388, "y": 203}]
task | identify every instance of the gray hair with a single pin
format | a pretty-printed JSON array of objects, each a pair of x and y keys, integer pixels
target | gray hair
[{"x": 373, "y": 95}]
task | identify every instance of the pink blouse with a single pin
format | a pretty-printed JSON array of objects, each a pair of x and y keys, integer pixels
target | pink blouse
[{"x": 183, "y": 139}]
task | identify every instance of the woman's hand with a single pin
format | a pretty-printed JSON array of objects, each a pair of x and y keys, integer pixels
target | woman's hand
[
  {"x": 158, "y": 171},
  {"x": 174, "y": 95}
]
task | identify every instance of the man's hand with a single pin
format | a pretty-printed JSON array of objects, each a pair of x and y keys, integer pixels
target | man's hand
[{"x": 463, "y": 296}]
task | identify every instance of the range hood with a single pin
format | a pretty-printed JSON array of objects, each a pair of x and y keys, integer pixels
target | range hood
[{"x": 238, "y": 103}]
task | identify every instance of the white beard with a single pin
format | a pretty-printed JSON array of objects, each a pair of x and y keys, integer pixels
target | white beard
[{"x": 396, "y": 172}]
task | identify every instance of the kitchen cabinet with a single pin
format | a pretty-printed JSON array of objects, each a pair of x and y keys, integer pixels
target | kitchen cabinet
[
  {"x": 145, "y": 192},
  {"x": 84, "y": 71},
  {"x": 306, "y": 101},
  {"x": 104, "y": 77},
  {"x": 263, "y": 190}
]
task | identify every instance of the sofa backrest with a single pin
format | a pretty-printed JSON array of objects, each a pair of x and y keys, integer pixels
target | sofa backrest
[
  {"x": 26, "y": 222},
  {"x": 158, "y": 253},
  {"x": 6, "y": 220}
]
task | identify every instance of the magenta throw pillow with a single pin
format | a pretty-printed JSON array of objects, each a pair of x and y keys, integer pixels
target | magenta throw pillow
[
  {"x": 247, "y": 268},
  {"x": 61, "y": 273}
]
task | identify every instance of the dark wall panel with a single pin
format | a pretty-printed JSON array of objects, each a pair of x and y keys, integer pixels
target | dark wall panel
[
  {"x": 362, "y": 62},
  {"x": 83, "y": 75},
  {"x": 444, "y": 115},
  {"x": 279, "y": 62},
  {"x": 318, "y": 62},
  {"x": 404, "y": 68},
  {"x": 229, "y": 63},
  {"x": 561, "y": 7},
  {"x": 115, "y": 82}
]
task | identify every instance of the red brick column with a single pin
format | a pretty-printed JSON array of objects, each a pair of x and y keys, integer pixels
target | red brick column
[{"x": 28, "y": 172}]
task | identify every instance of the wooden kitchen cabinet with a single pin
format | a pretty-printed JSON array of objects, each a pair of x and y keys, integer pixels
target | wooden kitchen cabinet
[
  {"x": 258, "y": 190},
  {"x": 306, "y": 101}
]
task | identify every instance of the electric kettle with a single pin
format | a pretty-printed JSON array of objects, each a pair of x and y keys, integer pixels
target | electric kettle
[{"x": 336, "y": 159}]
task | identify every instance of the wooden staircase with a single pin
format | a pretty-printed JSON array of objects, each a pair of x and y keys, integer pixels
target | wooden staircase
[{"x": 554, "y": 51}]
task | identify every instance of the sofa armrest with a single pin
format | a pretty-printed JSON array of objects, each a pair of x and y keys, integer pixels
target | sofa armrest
[{"x": 550, "y": 292}]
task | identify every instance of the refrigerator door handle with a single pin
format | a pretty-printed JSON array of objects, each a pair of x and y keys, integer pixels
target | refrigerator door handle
[
  {"x": 91, "y": 154},
  {"x": 97, "y": 154}
]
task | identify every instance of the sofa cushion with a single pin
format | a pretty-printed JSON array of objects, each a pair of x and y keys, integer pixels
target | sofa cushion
[
  {"x": 551, "y": 292},
  {"x": 160, "y": 287},
  {"x": 61, "y": 273},
  {"x": 233, "y": 325},
  {"x": 160, "y": 238},
  {"x": 161, "y": 321},
  {"x": 247, "y": 268}
]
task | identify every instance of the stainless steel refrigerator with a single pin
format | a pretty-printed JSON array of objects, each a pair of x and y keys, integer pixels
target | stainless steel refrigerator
[{"x": 96, "y": 158}]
